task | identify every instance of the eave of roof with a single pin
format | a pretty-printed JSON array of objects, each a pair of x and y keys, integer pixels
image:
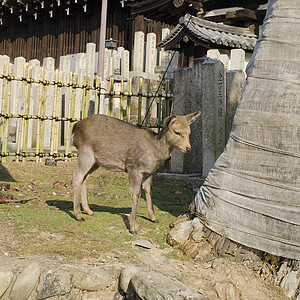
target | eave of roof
[{"x": 210, "y": 33}]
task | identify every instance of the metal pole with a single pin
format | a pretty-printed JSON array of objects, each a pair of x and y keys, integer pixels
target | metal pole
[{"x": 100, "y": 70}]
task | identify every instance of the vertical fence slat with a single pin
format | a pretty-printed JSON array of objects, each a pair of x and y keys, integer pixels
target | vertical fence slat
[
  {"x": 122, "y": 100},
  {"x": 68, "y": 149},
  {"x": 97, "y": 95},
  {"x": 111, "y": 97},
  {"x": 128, "y": 104},
  {"x": 38, "y": 121},
  {"x": 26, "y": 119},
  {"x": 58, "y": 113},
  {"x": 140, "y": 101},
  {"x": 53, "y": 122},
  {"x": 148, "y": 108},
  {"x": 6, "y": 111},
  {"x": 19, "y": 132}
]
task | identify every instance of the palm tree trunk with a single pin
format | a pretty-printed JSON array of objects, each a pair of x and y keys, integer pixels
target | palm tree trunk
[{"x": 252, "y": 195}]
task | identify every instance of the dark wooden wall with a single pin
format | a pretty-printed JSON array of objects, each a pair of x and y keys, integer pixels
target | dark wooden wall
[{"x": 64, "y": 34}]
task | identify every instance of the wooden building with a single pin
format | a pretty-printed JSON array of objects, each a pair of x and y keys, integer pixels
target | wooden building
[{"x": 38, "y": 29}]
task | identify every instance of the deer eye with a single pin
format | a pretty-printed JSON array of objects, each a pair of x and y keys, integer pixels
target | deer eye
[{"x": 177, "y": 132}]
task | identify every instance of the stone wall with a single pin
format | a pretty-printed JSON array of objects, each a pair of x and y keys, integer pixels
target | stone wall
[{"x": 51, "y": 279}]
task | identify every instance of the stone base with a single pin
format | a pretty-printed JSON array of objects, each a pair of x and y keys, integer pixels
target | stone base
[{"x": 198, "y": 242}]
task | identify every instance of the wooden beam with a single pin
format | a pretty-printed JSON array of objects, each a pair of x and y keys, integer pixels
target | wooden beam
[{"x": 242, "y": 15}]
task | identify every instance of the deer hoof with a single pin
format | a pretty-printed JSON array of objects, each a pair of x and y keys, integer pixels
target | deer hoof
[
  {"x": 155, "y": 221},
  {"x": 93, "y": 215},
  {"x": 135, "y": 232},
  {"x": 81, "y": 219}
]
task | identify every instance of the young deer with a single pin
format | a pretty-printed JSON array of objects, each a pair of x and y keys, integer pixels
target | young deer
[{"x": 117, "y": 145}]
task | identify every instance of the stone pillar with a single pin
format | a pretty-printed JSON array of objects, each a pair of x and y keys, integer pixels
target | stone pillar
[
  {"x": 48, "y": 64},
  {"x": 235, "y": 81},
  {"x": 138, "y": 54},
  {"x": 151, "y": 53},
  {"x": 125, "y": 64},
  {"x": 80, "y": 67},
  {"x": 164, "y": 55},
  {"x": 90, "y": 71},
  {"x": 237, "y": 60},
  {"x": 4, "y": 61},
  {"x": 225, "y": 60},
  {"x": 213, "y": 53},
  {"x": 213, "y": 110},
  {"x": 187, "y": 99}
]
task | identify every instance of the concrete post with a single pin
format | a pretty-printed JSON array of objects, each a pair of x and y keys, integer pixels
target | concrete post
[
  {"x": 213, "y": 110},
  {"x": 187, "y": 99},
  {"x": 138, "y": 52},
  {"x": 235, "y": 81}
]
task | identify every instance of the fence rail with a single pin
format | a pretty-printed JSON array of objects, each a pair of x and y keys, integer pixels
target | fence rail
[{"x": 36, "y": 120}]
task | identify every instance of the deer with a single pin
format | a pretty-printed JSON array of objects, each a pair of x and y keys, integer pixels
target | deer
[{"x": 114, "y": 144}]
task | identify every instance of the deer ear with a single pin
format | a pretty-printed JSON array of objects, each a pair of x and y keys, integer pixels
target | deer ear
[
  {"x": 169, "y": 120},
  {"x": 192, "y": 117}
]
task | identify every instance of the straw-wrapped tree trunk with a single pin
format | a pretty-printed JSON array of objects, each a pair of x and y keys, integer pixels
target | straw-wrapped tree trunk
[{"x": 252, "y": 195}]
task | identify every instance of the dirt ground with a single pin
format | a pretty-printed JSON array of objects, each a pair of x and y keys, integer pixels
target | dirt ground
[{"x": 206, "y": 277}]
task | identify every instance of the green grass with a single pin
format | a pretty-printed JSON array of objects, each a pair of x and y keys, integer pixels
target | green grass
[{"x": 46, "y": 226}]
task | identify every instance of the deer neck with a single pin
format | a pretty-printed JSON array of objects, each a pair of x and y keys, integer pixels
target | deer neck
[{"x": 164, "y": 146}]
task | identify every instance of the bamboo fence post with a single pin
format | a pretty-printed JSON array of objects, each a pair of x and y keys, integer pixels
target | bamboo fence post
[
  {"x": 72, "y": 100},
  {"x": 38, "y": 121},
  {"x": 26, "y": 117},
  {"x": 6, "y": 111},
  {"x": 140, "y": 101},
  {"x": 148, "y": 103},
  {"x": 53, "y": 123},
  {"x": 111, "y": 96},
  {"x": 43, "y": 105},
  {"x": 128, "y": 104},
  {"x": 159, "y": 111},
  {"x": 20, "y": 132},
  {"x": 167, "y": 99},
  {"x": 58, "y": 114},
  {"x": 121, "y": 99},
  {"x": 86, "y": 93},
  {"x": 4, "y": 86},
  {"x": 97, "y": 95}
]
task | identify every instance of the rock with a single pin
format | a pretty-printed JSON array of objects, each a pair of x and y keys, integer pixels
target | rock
[
  {"x": 6, "y": 277},
  {"x": 91, "y": 296},
  {"x": 126, "y": 276},
  {"x": 227, "y": 291},
  {"x": 118, "y": 296},
  {"x": 283, "y": 270},
  {"x": 92, "y": 280},
  {"x": 290, "y": 283},
  {"x": 54, "y": 282},
  {"x": 180, "y": 233},
  {"x": 25, "y": 282},
  {"x": 197, "y": 234},
  {"x": 153, "y": 285},
  {"x": 142, "y": 243}
]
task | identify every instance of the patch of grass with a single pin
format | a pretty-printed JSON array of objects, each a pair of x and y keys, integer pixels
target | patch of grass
[{"x": 46, "y": 225}]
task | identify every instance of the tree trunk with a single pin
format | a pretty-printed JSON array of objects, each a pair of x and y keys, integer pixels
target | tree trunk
[{"x": 252, "y": 195}]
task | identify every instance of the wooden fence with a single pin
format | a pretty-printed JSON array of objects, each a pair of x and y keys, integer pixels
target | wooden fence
[{"x": 40, "y": 124}]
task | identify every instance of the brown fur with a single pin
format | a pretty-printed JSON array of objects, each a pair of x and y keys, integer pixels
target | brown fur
[{"x": 117, "y": 145}]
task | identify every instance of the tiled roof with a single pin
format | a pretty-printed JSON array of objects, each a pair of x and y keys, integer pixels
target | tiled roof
[{"x": 210, "y": 33}]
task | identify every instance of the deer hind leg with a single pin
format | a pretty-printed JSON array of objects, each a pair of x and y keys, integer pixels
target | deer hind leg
[
  {"x": 135, "y": 181},
  {"x": 147, "y": 185},
  {"x": 86, "y": 165}
]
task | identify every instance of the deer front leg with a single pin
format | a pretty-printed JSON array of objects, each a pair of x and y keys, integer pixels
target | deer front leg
[
  {"x": 147, "y": 185},
  {"x": 135, "y": 181}
]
